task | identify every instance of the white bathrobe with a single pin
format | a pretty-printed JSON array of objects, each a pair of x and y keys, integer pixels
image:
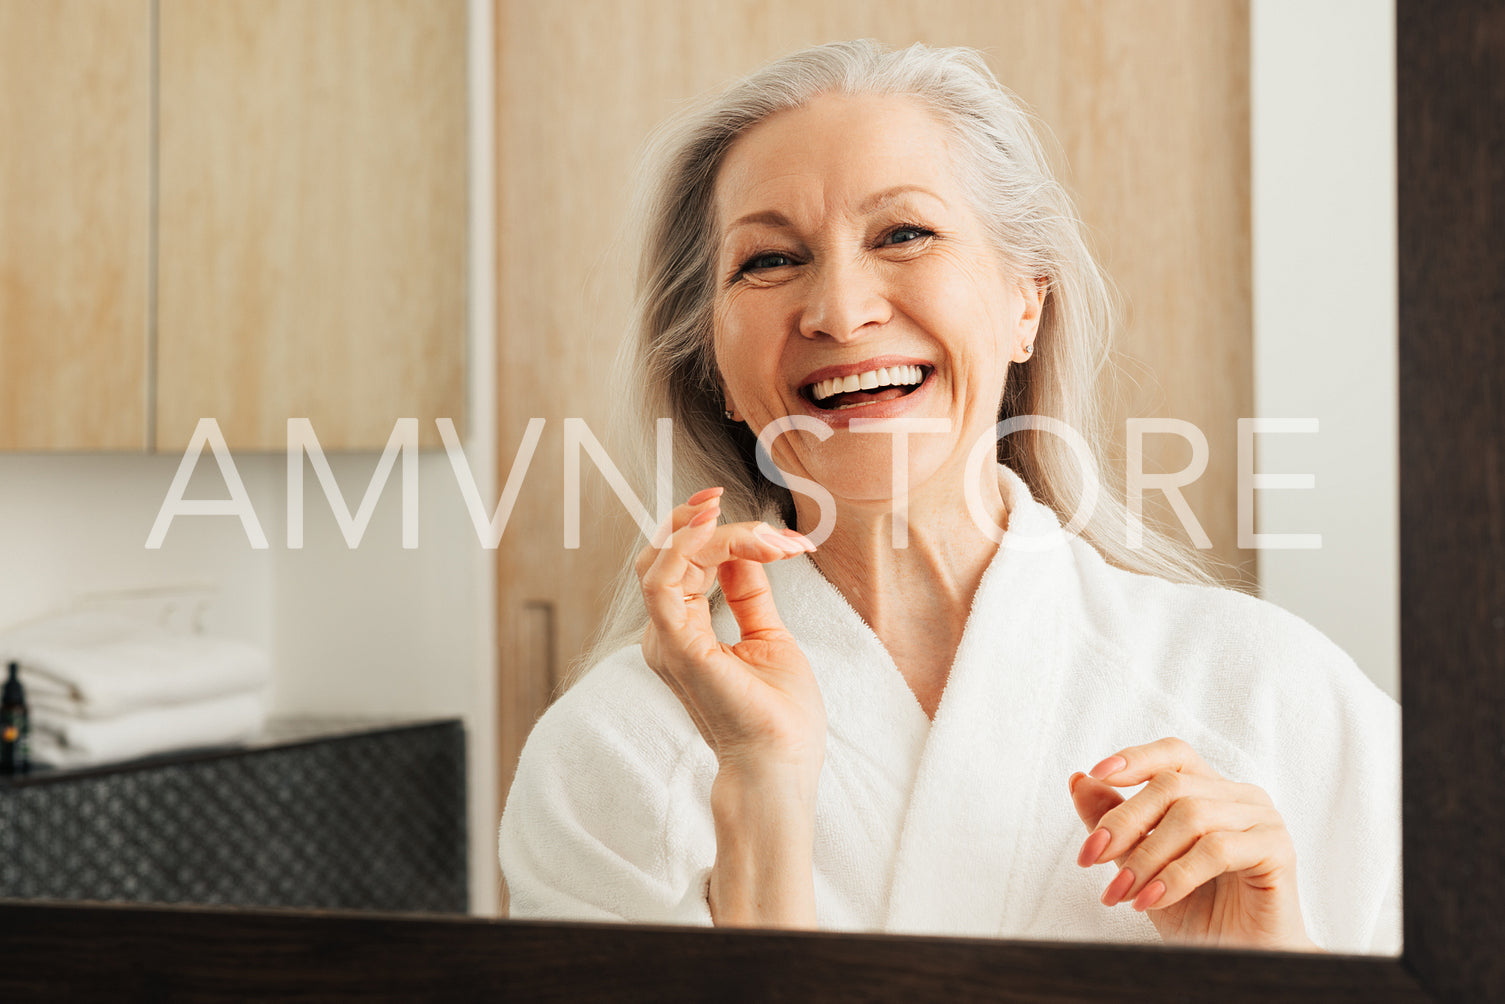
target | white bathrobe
[{"x": 965, "y": 826}]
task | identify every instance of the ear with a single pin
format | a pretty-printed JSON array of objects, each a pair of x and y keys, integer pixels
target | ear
[
  {"x": 1032, "y": 294},
  {"x": 728, "y": 406}
]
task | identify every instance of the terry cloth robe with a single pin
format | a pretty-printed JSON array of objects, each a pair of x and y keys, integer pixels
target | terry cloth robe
[{"x": 964, "y": 826}]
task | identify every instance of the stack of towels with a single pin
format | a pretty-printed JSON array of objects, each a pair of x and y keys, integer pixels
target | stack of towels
[{"x": 103, "y": 687}]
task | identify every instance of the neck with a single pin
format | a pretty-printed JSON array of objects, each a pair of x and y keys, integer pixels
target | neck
[{"x": 916, "y": 598}]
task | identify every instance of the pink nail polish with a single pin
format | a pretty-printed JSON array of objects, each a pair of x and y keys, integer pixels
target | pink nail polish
[
  {"x": 1071, "y": 784},
  {"x": 1109, "y": 767},
  {"x": 1093, "y": 848},
  {"x": 804, "y": 542},
  {"x": 1149, "y": 895},
  {"x": 704, "y": 495},
  {"x": 701, "y": 519},
  {"x": 1119, "y": 887}
]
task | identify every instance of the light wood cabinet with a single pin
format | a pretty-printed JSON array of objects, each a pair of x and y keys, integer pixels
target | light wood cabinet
[
  {"x": 75, "y": 132},
  {"x": 249, "y": 210},
  {"x": 312, "y": 217}
]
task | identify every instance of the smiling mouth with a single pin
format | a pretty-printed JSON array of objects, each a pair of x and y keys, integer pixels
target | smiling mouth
[{"x": 858, "y": 389}]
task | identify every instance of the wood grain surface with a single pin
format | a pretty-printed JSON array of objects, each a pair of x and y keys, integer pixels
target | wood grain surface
[
  {"x": 313, "y": 218},
  {"x": 75, "y": 90},
  {"x": 1451, "y": 137},
  {"x": 137, "y": 953}
]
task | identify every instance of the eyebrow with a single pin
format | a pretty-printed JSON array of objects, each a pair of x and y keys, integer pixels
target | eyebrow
[
  {"x": 774, "y": 218},
  {"x": 888, "y": 194},
  {"x": 770, "y": 217}
]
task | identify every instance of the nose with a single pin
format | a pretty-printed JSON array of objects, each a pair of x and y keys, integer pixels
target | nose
[{"x": 845, "y": 300}]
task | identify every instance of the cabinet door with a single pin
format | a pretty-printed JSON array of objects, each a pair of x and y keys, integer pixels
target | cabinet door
[
  {"x": 75, "y": 133},
  {"x": 312, "y": 218}
]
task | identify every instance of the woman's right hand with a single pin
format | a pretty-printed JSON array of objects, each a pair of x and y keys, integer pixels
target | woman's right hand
[{"x": 756, "y": 703}]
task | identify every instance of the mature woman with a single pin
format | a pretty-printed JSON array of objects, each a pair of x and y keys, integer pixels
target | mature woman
[{"x": 871, "y": 662}]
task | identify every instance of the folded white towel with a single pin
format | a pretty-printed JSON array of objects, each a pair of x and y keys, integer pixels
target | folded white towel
[
  {"x": 71, "y": 742},
  {"x": 95, "y": 664}
]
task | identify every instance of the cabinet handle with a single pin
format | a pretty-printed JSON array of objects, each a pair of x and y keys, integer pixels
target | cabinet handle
[{"x": 537, "y": 644}]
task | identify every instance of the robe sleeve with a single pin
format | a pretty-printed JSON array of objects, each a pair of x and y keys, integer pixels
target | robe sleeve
[
  {"x": 1336, "y": 739},
  {"x": 605, "y": 820},
  {"x": 1267, "y": 699},
  {"x": 1387, "y": 932}
]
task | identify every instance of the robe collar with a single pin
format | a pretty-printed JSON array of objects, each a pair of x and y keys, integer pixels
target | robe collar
[{"x": 979, "y": 764}]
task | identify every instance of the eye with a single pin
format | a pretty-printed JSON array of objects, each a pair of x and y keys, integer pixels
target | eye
[
  {"x": 905, "y": 235},
  {"x": 766, "y": 259},
  {"x": 763, "y": 261}
]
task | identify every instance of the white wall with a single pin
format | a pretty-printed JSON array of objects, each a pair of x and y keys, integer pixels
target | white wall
[
  {"x": 72, "y": 525},
  {"x": 1325, "y": 313},
  {"x": 375, "y": 631}
]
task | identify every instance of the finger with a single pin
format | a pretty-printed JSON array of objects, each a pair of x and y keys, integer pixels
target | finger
[
  {"x": 1137, "y": 764},
  {"x": 1091, "y": 798},
  {"x": 691, "y": 560},
  {"x": 1187, "y": 822},
  {"x": 1262, "y": 849},
  {"x": 750, "y": 600},
  {"x": 790, "y": 542},
  {"x": 679, "y": 517},
  {"x": 746, "y": 541},
  {"x": 1127, "y": 824},
  {"x": 664, "y": 587}
]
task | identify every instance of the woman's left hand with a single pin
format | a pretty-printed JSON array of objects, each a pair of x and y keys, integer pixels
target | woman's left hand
[{"x": 1209, "y": 859}]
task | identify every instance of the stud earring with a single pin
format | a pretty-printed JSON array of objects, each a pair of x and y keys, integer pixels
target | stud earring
[
  {"x": 1029, "y": 348},
  {"x": 727, "y": 412}
]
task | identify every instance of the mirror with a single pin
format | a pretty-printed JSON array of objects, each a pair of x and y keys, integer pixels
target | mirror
[
  {"x": 1451, "y": 421},
  {"x": 347, "y": 627}
]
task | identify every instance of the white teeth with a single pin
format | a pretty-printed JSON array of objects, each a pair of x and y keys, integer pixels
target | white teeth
[{"x": 888, "y": 376}]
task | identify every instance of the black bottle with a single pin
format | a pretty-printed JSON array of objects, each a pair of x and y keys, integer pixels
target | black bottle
[{"x": 15, "y": 757}]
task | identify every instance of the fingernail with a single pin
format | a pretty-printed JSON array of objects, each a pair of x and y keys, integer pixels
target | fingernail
[
  {"x": 1119, "y": 887},
  {"x": 769, "y": 535},
  {"x": 805, "y": 543},
  {"x": 1109, "y": 767},
  {"x": 1071, "y": 784},
  {"x": 1149, "y": 895},
  {"x": 704, "y": 495},
  {"x": 1093, "y": 847},
  {"x": 709, "y": 516}
]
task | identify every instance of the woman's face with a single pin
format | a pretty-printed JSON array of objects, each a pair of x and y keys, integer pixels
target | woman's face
[{"x": 850, "y": 263}]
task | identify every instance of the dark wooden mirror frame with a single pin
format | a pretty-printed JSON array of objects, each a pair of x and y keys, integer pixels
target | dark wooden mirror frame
[{"x": 1451, "y": 107}]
